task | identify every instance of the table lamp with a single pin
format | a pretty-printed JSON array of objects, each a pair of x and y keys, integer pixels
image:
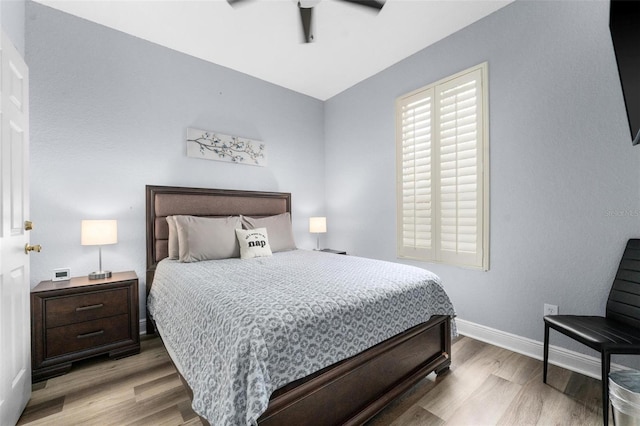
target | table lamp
[
  {"x": 318, "y": 225},
  {"x": 99, "y": 233}
]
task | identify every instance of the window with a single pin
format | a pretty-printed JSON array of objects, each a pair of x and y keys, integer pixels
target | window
[{"x": 442, "y": 171}]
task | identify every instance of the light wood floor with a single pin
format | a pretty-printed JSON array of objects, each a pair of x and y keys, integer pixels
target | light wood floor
[{"x": 486, "y": 386}]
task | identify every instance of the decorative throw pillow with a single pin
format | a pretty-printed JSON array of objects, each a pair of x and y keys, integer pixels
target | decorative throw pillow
[
  {"x": 253, "y": 243},
  {"x": 278, "y": 227},
  {"x": 174, "y": 251},
  {"x": 207, "y": 238}
]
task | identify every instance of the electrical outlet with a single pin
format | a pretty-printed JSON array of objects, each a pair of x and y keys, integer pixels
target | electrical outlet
[{"x": 550, "y": 309}]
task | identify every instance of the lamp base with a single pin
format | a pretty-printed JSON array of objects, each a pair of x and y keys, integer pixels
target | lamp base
[{"x": 99, "y": 275}]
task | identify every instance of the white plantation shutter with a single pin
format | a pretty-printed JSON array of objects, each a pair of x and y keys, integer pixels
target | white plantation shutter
[
  {"x": 442, "y": 171},
  {"x": 415, "y": 157}
]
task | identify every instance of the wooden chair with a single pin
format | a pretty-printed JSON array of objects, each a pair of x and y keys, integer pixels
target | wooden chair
[{"x": 618, "y": 332}]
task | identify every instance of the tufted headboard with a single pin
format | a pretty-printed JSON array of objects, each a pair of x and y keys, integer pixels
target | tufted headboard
[{"x": 163, "y": 201}]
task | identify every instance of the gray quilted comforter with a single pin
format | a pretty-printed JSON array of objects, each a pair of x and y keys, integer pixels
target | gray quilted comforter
[{"x": 240, "y": 329}]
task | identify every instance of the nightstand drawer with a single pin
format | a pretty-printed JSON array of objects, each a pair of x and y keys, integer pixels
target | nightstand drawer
[
  {"x": 75, "y": 337},
  {"x": 86, "y": 307}
]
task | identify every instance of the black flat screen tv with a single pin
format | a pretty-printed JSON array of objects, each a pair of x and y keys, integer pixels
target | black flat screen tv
[{"x": 624, "y": 25}]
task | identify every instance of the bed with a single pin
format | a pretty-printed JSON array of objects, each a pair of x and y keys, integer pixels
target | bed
[{"x": 347, "y": 391}]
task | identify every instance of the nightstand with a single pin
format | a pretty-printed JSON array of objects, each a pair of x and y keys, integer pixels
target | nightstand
[
  {"x": 81, "y": 318},
  {"x": 334, "y": 251}
]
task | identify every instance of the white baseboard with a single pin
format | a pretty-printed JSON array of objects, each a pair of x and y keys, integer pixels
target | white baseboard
[
  {"x": 574, "y": 361},
  {"x": 143, "y": 326}
]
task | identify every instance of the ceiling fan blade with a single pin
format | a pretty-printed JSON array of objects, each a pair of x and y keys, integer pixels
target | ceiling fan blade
[
  {"x": 374, "y": 4},
  {"x": 235, "y": 2},
  {"x": 306, "y": 14}
]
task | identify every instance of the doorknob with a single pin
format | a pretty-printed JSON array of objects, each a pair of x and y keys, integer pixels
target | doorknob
[
  {"x": 28, "y": 225},
  {"x": 28, "y": 248}
]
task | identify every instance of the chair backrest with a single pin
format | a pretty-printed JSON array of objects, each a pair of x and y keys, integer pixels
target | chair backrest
[{"x": 624, "y": 299}]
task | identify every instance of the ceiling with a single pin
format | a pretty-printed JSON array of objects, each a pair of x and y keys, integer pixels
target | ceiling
[{"x": 263, "y": 38}]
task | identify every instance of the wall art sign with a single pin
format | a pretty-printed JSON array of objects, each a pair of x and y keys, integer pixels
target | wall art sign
[{"x": 219, "y": 147}]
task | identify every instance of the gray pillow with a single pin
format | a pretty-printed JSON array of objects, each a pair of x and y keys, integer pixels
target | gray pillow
[
  {"x": 174, "y": 251},
  {"x": 207, "y": 238},
  {"x": 278, "y": 228}
]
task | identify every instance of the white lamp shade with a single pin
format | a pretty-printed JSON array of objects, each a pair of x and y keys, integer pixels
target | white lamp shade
[
  {"x": 99, "y": 232},
  {"x": 317, "y": 225}
]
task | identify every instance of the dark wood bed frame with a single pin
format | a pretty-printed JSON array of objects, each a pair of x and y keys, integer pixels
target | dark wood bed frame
[{"x": 349, "y": 392}]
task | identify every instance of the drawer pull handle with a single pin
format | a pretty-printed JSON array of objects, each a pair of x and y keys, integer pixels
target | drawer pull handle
[
  {"x": 93, "y": 334},
  {"x": 88, "y": 308}
]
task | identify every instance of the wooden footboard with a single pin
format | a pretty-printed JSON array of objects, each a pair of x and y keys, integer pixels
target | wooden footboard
[{"x": 356, "y": 389}]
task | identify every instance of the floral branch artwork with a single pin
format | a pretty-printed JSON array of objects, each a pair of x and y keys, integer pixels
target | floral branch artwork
[{"x": 215, "y": 146}]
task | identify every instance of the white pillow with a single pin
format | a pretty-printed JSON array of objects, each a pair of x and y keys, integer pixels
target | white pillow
[
  {"x": 174, "y": 250},
  {"x": 253, "y": 243},
  {"x": 207, "y": 238},
  {"x": 279, "y": 228}
]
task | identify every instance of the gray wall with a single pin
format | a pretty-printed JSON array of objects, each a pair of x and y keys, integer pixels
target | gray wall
[
  {"x": 109, "y": 114},
  {"x": 12, "y": 22},
  {"x": 565, "y": 180}
]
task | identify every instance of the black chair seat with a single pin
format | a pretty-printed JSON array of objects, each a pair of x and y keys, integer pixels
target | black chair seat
[{"x": 596, "y": 332}]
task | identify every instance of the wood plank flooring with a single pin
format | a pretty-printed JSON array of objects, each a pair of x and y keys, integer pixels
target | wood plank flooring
[{"x": 487, "y": 385}]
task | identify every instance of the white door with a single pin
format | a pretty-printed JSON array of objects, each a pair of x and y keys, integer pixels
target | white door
[{"x": 15, "y": 318}]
